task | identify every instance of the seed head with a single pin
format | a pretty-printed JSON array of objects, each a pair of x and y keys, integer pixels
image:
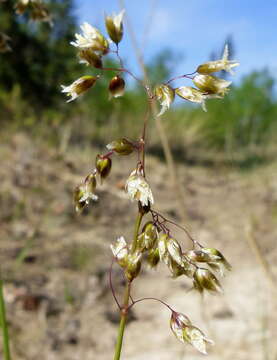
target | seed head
[
  {"x": 186, "y": 268},
  {"x": 91, "y": 39},
  {"x": 153, "y": 257},
  {"x": 114, "y": 26},
  {"x": 204, "y": 279},
  {"x": 133, "y": 266},
  {"x": 186, "y": 332},
  {"x": 212, "y": 257},
  {"x": 79, "y": 86},
  {"x": 130, "y": 262},
  {"x": 211, "y": 84},
  {"x": 169, "y": 250},
  {"x": 191, "y": 94},
  {"x": 103, "y": 166},
  {"x": 89, "y": 57},
  {"x": 138, "y": 189},
  {"x": 84, "y": 193},
  {"x": 121, "y": 146},
  {"x": 120, "y": 251},
  {"x": 218, "y": 65},
  {"x": 148, "y": 237},
  {"x": 116, "y": 87},
  {"x": 165, "y": 95}
]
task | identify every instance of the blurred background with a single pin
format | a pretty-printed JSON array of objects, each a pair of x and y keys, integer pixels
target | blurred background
[{"x": 55, "y": 263}]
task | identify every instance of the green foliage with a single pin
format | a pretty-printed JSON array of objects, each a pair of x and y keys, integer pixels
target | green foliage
[
  {"x": 246, "y": 116},
  {"x": 41, "y": 58}
]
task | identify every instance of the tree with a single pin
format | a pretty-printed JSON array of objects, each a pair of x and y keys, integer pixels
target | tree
[{"x": 40, "y": 58}]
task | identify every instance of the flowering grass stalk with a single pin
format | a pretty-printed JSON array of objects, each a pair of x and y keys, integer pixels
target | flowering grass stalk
[
  {"x": 4, "y": 325},
  {"x": 153, "y": 241}
]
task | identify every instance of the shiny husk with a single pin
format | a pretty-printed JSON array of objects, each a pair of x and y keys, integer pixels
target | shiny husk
[
  {"x": 165, "y": 96},
  {"x": 103, "y": 166},
  {"x": 86, "y": 83},
  {"x": 218, "y": 65},
  {"x": 149, "y": 236},
  {"x": 204, "y": 279},
  {"x": 121, "y": 146},
  {"x": 90, "y": 183},
  {"x": 153, "y": 257},
  {"x": 89, "y": 57},
  {"x": 133, "y": 266},
  {"x": 211, "y": 84},
  {"x": 114, "y": 27},
  {"x": 77, "y": 196},
  {"x": 116, "y": 87}
]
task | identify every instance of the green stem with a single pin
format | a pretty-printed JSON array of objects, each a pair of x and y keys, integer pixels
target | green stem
[
  {"x": 125, "y": 307},
  {"x": 4, "y": 325},
  {"x": 123, "y": 319}
]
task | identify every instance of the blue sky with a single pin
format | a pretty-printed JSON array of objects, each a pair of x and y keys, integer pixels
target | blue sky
[{"x": 194, "y": 28}]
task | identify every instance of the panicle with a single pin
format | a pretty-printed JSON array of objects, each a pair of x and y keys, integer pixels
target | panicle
[{"x": 154, "y": 241}]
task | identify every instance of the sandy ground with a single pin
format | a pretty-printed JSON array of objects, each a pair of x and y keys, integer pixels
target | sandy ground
[{"x": 55, "y": 264}]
